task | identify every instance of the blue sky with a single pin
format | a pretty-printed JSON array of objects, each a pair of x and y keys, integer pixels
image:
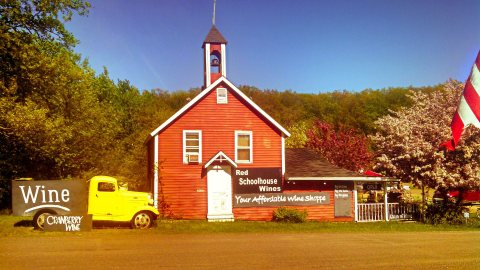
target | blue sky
[{"x": 305, "y": 46}]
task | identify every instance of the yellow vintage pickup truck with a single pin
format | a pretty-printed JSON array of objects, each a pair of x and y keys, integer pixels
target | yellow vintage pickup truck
[{"x": 99, "y": 197}]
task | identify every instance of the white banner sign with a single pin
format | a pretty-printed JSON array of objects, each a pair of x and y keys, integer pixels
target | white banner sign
[{"x": 281, "y": 199}]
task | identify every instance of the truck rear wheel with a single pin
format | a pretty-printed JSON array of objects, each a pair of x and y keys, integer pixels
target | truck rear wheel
[
  {"x": 39, "y": 218},
  {"x": 142, "y": 220}
]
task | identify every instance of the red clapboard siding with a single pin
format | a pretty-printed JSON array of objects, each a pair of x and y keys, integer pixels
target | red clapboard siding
[{"x": 183, "y": 187}]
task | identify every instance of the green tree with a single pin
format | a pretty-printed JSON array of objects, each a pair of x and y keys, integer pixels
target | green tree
[
  {"x": 29, "y": 28},
  {"x": 62, "y": 126},
  {"x": 42, "y": 89},
  {"x": 298, "y": 138},
  {"x": 43, "y": 19}
]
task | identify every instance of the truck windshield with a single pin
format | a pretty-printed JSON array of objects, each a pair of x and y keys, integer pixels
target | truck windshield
[{"x": 106, "y": 187}]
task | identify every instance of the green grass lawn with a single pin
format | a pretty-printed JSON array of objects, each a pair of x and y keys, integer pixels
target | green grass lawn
[
  {"x": 21, "y": 226},
  {"x": 416, "y": 193},
  {"x": 273, "y": 227}
]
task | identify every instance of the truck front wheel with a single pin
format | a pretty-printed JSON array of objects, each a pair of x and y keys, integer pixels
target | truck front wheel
[
  {"x": 39, "y": 218},
  {"x": 142, "y": 220}
]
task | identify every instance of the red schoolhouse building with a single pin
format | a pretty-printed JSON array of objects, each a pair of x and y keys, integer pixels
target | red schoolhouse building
[{"x": 221, "y": 157}]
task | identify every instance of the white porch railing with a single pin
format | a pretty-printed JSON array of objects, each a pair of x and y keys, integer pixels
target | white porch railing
[
  {"x": 398, "y": 211},
  {"x": 369, "y": 212}
]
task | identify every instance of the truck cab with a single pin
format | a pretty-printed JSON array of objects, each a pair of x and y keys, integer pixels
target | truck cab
[{"x": 106, "y": 202}]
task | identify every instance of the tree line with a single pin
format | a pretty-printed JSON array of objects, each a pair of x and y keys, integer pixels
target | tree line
[{"x": 60, "y": 119}]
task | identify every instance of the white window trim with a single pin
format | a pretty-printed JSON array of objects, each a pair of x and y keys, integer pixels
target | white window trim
[
  {"x": 221, "y": 100},
  {"x": 224, "y": 60},
  {"x": 283, "y": 155},
  {"x": 243, "y": 132},
  {"x": 184, "y": 140},
  {"x": 156, "y": 171}
]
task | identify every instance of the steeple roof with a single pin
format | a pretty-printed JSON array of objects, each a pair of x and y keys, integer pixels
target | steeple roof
[{"x": 214, "y": 36}]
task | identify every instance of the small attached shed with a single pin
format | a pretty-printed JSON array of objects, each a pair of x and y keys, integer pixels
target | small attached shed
[{"x": 307, "y": 171}]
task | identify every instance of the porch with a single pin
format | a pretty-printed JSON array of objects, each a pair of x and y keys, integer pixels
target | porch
[
  {"x": 386, "y": 209},
  {"x": 371, "y": 212}
]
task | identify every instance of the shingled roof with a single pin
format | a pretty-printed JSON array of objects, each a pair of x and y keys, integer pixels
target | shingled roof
[
  {"x": 214, "y": 36},
  {"x": 303, "y": 162}
]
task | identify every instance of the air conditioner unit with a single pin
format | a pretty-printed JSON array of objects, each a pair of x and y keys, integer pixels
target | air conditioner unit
[{"x": 192, "y": 159}]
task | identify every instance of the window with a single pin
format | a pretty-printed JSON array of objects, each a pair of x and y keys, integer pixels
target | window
[
  {"x": 192, "y": 146},
  {"x": 243, "y": 147},
  {"x": 222, "y": 96},
  {"x": 106, "y": 187}
]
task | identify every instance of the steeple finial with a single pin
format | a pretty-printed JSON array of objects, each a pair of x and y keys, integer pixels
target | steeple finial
[{"x": 213, "y": 18}]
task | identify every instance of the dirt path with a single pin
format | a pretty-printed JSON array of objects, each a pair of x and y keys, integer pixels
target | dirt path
[{"x": 126, "y": 249}]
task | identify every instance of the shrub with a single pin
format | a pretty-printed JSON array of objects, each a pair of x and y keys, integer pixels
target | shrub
[
  {"x": 291, "y": 215},
  {"x": 444, "y": 213}
]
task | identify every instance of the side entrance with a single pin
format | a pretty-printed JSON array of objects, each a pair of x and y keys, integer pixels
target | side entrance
[{"x": 219, "y": 185}]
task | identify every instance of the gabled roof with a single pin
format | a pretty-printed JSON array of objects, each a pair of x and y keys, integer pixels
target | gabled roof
[
  {"x": 205, "y": 92},
  {"x": 220, "y": 156},
  {"x": 214, "y": 36},
  {"x": 308, "y": 165},
  {"x": 304, "y": 162}
]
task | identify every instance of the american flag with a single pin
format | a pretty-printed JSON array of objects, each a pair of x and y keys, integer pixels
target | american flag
[{"x": 468, "y": 111}]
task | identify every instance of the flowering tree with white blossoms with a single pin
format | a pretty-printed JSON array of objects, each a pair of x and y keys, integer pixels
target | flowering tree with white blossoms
[{"x": 407, "y": 143}]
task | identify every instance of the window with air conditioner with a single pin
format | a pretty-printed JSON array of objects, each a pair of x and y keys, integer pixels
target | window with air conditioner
[
  {"x": 243, "y": 147},
  {"x": 192, "y": 146},
  {"x": 222, "y": 96}
]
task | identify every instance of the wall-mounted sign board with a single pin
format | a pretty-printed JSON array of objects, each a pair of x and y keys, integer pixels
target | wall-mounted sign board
[
  {"x": 343, "y": 201},
  {"x": 372, "y": 186},
  {"x": 283, "y": 199},
  {"x": 257, "y": 180}
]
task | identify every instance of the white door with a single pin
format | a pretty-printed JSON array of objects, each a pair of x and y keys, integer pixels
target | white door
[{"x": 219, "y": 185}]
